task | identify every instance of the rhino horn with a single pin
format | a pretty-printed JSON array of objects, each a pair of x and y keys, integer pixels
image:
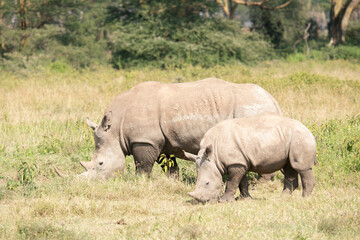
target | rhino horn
[
  {"x": 58, "y": 172},
  {"x": 194, "y": 195},
  {"x": 86, "y": 165},
  {"x": 91, "y": 124}
]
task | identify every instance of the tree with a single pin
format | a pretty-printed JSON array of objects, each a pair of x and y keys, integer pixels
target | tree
[
  {"x": 229, "y": 6},
  {"x": 340, "y": 13},
  {"x": 283, "y": 26}
]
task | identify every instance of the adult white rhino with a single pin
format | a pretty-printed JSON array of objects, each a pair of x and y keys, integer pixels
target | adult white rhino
[{"x": 154, "y": 118}]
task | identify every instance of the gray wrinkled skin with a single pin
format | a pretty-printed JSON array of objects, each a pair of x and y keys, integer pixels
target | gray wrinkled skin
[
  {"x": 153, "y": 118},
  {"x": 261, "y": 144}
]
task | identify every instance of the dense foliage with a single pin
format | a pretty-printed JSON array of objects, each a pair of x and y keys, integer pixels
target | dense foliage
[
  {"x": 282, "y": 26},
  {"x": 130, "y": 33}
]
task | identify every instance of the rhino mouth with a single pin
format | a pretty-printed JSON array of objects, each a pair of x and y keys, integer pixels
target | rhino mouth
[{"x": 202, "y": 199}]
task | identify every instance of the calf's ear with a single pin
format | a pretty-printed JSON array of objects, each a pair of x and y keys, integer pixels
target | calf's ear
[
  {"x": 190, "y": 156},
  {"x": 208, "y": 150},
  {"x": 106, "y": 121}
]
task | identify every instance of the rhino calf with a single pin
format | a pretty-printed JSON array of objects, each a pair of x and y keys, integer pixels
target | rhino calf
[{"x": 261, "y": 144}]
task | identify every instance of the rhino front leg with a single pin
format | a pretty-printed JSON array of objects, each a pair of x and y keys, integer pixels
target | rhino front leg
[
  {"x": 236, "y": 173},
  {"x": 145, "y": 156},
  {"x": 290, "y": 179}
]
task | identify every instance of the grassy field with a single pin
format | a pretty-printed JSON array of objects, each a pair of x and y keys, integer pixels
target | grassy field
[{"x": 42, "y": 117}]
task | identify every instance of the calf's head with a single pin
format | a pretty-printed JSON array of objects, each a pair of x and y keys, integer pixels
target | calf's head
[
  {"x": 209, "y": 179},
  {"x": 108, "y": 158}
]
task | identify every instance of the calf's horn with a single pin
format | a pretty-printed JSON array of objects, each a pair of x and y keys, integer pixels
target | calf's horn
[
  {"x": 86, "y": 165},
  {"x": 91, "y": 124},
  {"x": 194, "y": 195}
]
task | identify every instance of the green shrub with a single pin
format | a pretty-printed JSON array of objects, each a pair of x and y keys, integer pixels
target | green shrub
[
  {"x": 345, "y": 52},
  {"x": 327, "y": 53},
  {"x": 352, "y": 35},
  {"x": 26, "y": 174},
  {"x": 209, "y": 43},
  {"x": 338, "y": 144}
]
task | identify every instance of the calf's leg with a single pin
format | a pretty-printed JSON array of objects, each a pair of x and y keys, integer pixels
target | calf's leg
[
  {"x": 290, "y": 179},
  {"x": 236, "y": 173},
  {"x": 145, "y": 156},
  {"x": 307, "y": 181}
]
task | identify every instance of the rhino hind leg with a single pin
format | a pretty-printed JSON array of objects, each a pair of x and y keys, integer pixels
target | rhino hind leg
[
  {"x": 244, "y": 187},
  {"x": 145, "y": 156},
  {"x": 290, "y": 179},
  {"x": 236, "y": 174},
  {"x": 308, "y": 182}
]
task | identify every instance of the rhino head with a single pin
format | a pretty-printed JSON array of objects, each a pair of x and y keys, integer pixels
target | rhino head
[
  {"x": 209, "y": 179},
  {"x": 108, "y": 158}
]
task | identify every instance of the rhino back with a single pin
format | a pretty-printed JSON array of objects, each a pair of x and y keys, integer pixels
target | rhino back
[
  {"x": 178, "y": 115},
  {"x": 189, "y": 110}
]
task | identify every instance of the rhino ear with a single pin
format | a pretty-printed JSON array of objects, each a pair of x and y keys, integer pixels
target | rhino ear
[
  {"x": 106, "y": 122},
  {"x": 91, "y": 124},
  {"x": 190, "y": 156}
]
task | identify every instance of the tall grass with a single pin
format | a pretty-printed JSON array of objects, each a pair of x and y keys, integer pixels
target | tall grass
[{"x": 42, "y": 124}]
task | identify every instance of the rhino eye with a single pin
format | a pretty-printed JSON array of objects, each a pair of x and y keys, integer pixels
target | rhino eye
[
  {"x": 101, "y": 163},
  {"x": 207, "y": 183}
]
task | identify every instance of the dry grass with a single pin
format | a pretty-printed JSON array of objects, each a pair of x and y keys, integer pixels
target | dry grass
[
  {"x": 72, "y": 95},
  {"x": 42, "y": 122},
  {"x": 160, "y": 209}
]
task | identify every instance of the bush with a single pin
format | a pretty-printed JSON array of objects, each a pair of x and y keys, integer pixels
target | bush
[
  {"x": 338, "y": 144},
  {"x": 352, "y": 34},
  {"x": 345, "y": 52},
  {"x": 34, "y": 47},
  {"x": 212, "y": 42},
  {"x": 327, "y": 53}
]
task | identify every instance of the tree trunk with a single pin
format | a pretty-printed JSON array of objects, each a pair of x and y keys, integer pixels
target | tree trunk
[
  {"x": 23, "y": 14},
  {"x": 354, "y": 4},
  {"x": 335, "y": 31},
  {"x": 232, "y": 10},
  {"x": 339, "y": 18}
]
